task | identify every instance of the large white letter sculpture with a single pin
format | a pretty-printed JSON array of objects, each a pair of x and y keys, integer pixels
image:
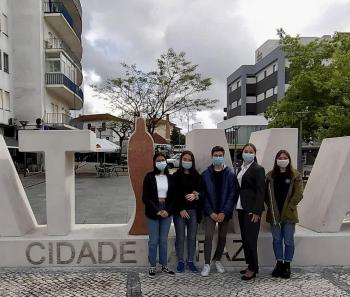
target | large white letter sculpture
[
  {"x": 16, "y": 215},
  {"x": 59, "y": 147},
  {"x": 268, "y": 142},
  {"x": 326, "y": 196}
]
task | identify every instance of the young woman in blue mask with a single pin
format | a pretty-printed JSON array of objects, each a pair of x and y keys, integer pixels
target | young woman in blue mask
[
  {"x": 250, "y": 205},
  {"x": 187, "y": 210},
  {"x": 158, "y": 197}
]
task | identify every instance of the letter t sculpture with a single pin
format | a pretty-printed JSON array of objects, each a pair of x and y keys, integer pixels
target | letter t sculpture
[{"x": 59, "y": 147}]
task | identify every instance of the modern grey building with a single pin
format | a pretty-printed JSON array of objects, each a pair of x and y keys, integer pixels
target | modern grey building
[{"x": 252, "y": 88}]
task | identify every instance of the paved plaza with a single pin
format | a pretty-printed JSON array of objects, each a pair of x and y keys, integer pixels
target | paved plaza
[
  {"x": 98, "y": 200},
  {"x": 116, "y": 282}
]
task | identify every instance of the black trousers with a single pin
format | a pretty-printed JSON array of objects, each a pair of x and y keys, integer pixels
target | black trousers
[{"x": 249, "y": 234}]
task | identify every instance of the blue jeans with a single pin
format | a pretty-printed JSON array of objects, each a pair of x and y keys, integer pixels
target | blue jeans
[
  {"x": 158, "y": 231},
  {"x": 180, "y": 227},
  {"x": 283, "y": 232}
]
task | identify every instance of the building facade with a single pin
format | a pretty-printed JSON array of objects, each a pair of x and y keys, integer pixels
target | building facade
[
  {"x": 47, "y": 51},
  {"x": 251, "y": 89},
  {"x": 6, "y": 73}
]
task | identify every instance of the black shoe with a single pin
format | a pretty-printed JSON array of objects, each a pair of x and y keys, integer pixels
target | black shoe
[
  {"x": 242, "y": 271},
  {"x": 167, "y": 270},
  {"x": 277, "y": 272},
  {"x": 152, "y": 271},
  {"x": 286, "y": 270},
  {"x": 247, "y": 278}
]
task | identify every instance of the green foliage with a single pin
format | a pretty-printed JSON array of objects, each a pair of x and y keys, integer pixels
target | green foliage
[
  {"x": 319, "y": 87},
  {"x": 176, "y": 137},
  {"x": 174, "y": 86}
]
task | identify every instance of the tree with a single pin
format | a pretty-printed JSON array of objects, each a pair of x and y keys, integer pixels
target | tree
[
  {"x": 123, "y": 128},
  {"x": 174, "y": 86},
  {"x": 319, "y": 87},
  {"x": 176, "y": 137}
]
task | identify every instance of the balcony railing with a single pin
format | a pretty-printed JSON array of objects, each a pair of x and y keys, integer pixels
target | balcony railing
[
  {"x": 58, "y": 118},
  {"x": 55, "y": 43},
  {"x": 61, "y": 79},
  {"x": 58, "y": 7},
  {"x": 78, "y": 6}
]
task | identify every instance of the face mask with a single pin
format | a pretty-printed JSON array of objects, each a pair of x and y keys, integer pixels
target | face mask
[
  {"x": 186, "y": 165},
  {"x": 218, "y": 161},
  {"x": 248, "y": 157},
  {"x": 282, "y": 163},
  {"x": 161, "y": 165}
]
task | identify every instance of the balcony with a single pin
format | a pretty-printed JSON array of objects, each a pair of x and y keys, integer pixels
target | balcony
[
  {"x": 57, "y": 119},
  {"x": 67, "y": 90},
  {"x": 57, "y": 15},
  {"x": 57, "y": 45}
]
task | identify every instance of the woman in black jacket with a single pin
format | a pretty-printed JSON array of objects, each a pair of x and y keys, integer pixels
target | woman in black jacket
[
  {"x": 187, "y": 214},
  {"x": 250, "y": 205},
  {"x": 158, "y": 197}
]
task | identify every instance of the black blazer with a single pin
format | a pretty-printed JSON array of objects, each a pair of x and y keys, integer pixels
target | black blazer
[
  {"x": 150, "y": 196},
  {"x": 252, "y": 191}
]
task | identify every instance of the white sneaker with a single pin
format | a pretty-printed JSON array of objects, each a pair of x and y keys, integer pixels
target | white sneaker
[
  {"x": 219, "y": 267},
  {"x": 206, "y": 270}
]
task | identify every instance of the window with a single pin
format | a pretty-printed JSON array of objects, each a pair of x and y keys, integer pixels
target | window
[
  {"x": 0, "y": 60},
  {"x": 53, "y": 65},
  {"x": 5, "y": 24},
  {"x": 6, "y": 104},
  {"x": 1, "y": 102},
  {"x": 6, "y": 63}
]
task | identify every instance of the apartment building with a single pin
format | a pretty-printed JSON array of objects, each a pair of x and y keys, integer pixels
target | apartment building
[
  {"x": 251, "y": 89},
  {"x": 6, "y": 90},
  {"x": 47, "y": 71}
]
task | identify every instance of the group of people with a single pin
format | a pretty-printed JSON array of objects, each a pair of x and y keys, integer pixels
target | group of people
[{"x": 187, "y": 198}]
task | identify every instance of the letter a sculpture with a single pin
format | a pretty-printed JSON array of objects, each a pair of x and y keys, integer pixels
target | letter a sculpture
[{"x": 140, "y": 161}]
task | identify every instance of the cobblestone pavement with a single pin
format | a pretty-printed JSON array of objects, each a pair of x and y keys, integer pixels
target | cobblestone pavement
[{"x": 136, "y": 283}]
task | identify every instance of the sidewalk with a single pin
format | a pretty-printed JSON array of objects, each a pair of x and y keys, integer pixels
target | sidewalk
[{"x": 122, "y": 282}]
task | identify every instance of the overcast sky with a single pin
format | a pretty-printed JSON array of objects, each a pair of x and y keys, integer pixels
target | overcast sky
[{"x": 219, "y": 35}]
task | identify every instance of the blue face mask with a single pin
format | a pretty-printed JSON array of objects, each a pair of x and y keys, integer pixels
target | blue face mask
[
  {"x": 248, "y": 157},
  {"x": 218, "y": 161},
  {"x": 161, "y": 165},
  {"x": 186, "y": 165}
]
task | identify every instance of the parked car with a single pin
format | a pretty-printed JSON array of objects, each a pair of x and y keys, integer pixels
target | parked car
[
  {"x": 174, "y": 161},
  {"x": 178, "y": 148}
]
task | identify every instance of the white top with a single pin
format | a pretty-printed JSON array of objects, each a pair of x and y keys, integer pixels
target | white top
[
  {"x": 162, "y": 185},
  {"x": 244, "y": 169}
]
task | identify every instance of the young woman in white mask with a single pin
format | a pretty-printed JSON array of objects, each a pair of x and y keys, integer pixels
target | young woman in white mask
[
  {"x": 159, "y": 198},
  {"x": 250, "y": 205},
  {"x": 284, "y": 191}
]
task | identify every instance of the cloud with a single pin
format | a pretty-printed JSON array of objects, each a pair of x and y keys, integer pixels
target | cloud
[{"x": 219, "y": 36}]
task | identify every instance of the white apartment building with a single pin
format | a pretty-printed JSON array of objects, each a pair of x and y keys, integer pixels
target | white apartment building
[
  {"x": 6, "y": 91},
  {"x": 46, "y": 61}
]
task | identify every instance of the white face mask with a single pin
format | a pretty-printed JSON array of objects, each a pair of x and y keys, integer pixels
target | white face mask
[{"x": 282, "y": 163}]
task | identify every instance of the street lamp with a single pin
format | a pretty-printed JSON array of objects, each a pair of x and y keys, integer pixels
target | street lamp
[
  {"x": 24, "y": 124},
  {"x": 300, "y": 115}
]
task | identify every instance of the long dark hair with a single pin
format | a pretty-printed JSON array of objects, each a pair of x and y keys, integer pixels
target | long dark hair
[
  {"x": 276, "y": 169},
  {"x": 254, "y": 149},
  {"x": 155, "y": 169},
  {"x": 193, "y": 168}
]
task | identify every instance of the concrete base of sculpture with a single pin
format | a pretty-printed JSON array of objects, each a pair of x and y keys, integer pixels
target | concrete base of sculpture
[{"x": 109, "y": 245}]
